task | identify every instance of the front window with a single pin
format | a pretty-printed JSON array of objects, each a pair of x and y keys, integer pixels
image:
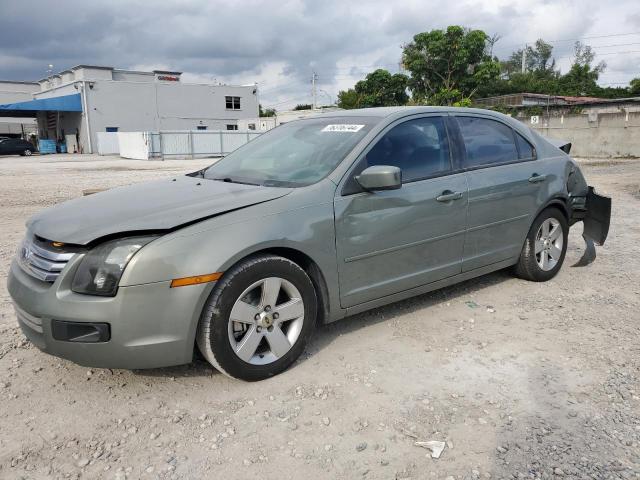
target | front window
[{"x": 294, "y": 154}]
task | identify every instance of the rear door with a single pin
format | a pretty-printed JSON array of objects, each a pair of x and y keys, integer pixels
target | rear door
[
  {"x": 394, "y": 240},
  {"x": 504, "y": 181}
]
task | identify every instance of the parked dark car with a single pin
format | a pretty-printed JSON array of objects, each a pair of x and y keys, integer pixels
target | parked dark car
[{"x": 16, "y": 146}]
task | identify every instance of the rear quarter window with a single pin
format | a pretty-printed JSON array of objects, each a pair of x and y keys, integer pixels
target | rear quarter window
[{"x": 526, "y": 151}]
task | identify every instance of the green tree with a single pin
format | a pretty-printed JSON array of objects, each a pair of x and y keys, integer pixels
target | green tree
[
  {"x": 303, "y": 106},
  {"x": 269, "y": 112},
  {"x": 634, "y": 86},
  {"x": 538, "y": 59},
  {"x": 582, "y": 77},
  {"x": 348, "y": 99},
  {"x": 448, "y": 66},
  {"x": 378, "y": 89}
]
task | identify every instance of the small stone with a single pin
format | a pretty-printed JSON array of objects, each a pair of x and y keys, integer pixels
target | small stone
[
  {"x": 482, "y": 421},
  {"x": 558, "y": 471},
  {"x": 153, "y": 436},
  {"x": 89, "y": 373},
  {"x": 384, "y": 462},
  {"x": 246, "y": 462},
  {"x": 326, "y": 421},
  {"x": 361, "y": 446},
  {"x": 149, "y": 469},
  {"x": 83, "y": 462}
]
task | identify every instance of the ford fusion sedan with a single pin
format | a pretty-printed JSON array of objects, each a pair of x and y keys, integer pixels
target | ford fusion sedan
[{"x": 311, "y": 222}]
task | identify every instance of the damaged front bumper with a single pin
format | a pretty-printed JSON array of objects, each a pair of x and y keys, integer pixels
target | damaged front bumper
[{"x": 595, "y": 213}]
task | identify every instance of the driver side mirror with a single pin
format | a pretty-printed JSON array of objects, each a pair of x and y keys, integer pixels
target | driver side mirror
[{"x": 380, "y": 177}]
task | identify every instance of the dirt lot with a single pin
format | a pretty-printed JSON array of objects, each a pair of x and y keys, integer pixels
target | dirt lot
[{"x": 521, "y": 380}]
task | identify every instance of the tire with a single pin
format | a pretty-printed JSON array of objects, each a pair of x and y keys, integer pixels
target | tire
[
  {"x": 27, "y": 153},
  {"x": 228, "y": 344},
  {"x": 544, "y": 251}
]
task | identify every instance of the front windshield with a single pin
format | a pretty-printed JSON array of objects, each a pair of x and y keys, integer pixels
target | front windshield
[{"x": 294, "y": 154}]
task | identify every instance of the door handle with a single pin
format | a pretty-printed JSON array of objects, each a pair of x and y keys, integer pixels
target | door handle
[
  {"x": 535, "y": 178},
  {"x": 448, "y": 195}
]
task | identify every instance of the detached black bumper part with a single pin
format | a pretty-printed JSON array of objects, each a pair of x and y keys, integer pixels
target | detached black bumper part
[{"x": 596, "y": 221}]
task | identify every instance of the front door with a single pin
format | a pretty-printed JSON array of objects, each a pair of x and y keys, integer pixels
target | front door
[{"x": 390, "y": 241}]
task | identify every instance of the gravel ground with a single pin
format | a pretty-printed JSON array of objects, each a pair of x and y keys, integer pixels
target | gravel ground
[{"x": 521, "y": 380}]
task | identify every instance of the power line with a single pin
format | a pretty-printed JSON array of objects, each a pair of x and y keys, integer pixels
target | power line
[
  {"x": 287, "y": 101},
  {"x": 569, "y": 39}
]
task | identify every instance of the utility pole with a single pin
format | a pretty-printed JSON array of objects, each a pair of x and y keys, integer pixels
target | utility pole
[
  {"x": 314, "y": 77},
  {"x": 524, "y": 59}
]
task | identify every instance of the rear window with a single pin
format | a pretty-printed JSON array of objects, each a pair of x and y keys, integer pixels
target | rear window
[{"x": 486, "y": 142}]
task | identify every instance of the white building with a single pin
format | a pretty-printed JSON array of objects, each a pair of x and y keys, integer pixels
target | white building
[
  {"x": 76, "y": 104},
  {"x": 17, "y": 126}
]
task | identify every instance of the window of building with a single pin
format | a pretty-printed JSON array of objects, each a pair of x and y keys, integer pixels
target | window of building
[
  {"x": 112, "y": 129},
  {"x": 487, "y": 142},
  {"x": 526, "y": 151},
  {"x": 251, "y": 126},
  {"x": 232, "y": 127},
  {"x": 420, "y": 148},
  {"x": 202, "y": 127},
  {"x": 233, "y": 103}
]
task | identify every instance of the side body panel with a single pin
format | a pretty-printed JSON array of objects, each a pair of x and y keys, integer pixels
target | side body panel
[
  {"x": 502, "y": 204},
  {"x": 504, "y": 199},
  {"x": 396, "y": 240}
]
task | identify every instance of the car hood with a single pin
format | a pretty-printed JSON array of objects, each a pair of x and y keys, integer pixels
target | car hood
[{"x": 154, "y": 206}]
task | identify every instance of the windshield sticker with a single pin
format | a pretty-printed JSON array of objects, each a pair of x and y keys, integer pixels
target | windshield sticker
[{"x": 343, "y": 127}]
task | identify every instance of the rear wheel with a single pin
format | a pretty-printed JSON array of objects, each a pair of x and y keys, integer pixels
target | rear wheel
[
  {"x": 27, "y": 153},
  {"x": 544, "y": 248},
  {"x": 258, "y": 319}
]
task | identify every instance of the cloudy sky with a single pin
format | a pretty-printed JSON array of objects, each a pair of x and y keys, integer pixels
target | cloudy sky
[{"x": 278, "y": 44}]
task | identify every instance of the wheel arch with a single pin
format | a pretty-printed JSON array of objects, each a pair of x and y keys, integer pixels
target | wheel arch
[
  {"x": 558, "y": 202},
  {"x": 308, "y": 264}
]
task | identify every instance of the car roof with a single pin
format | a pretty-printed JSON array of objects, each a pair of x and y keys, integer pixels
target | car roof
[{"x": 391, "y": 113}]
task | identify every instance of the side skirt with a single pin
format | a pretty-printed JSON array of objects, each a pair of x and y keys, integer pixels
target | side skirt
[{"x": 396, "y": 297}]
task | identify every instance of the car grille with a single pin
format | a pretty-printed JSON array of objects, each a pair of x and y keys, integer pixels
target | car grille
[{"x": 41, "y": 261}]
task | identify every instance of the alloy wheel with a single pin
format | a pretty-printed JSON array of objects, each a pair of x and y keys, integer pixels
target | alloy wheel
[
  {"x": 548, "y": 245},
  {"x": 266, "y": 320}
]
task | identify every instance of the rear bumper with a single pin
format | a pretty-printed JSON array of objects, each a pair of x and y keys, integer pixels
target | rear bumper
[
  {"x": 595, "y": 213},
  {"x": 598, "y": 217},
  {"x": 149, "y": 325}
]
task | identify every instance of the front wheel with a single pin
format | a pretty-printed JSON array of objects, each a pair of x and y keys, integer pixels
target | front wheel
[
  {"x": 544, "y": 248},
  {"x": 258, "y": 318},
  {"x": 27, "y": 153}
]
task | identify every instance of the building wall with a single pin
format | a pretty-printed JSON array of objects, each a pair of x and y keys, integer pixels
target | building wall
[
  {"x": 150, "y": 106},
  {"x": 12, "y": 92},
  {"x": 604, "y": 135}
]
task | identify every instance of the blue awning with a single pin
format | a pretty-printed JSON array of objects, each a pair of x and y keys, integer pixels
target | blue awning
[{"x": 66, "y": 103}]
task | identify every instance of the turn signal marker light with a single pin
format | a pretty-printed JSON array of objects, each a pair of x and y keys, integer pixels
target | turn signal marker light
[{"x": 198, "y": 279}]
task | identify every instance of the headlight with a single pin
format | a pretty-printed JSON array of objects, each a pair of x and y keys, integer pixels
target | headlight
[{"x": 101, "y": 268}]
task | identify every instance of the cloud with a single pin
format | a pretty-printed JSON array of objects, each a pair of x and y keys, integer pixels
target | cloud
[{"x": 280, "y": 43}]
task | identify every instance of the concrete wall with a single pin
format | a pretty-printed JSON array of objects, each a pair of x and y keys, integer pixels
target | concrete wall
[
  {"x": 596, "y": 135},
  {"x": 12, "y": 92}
]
